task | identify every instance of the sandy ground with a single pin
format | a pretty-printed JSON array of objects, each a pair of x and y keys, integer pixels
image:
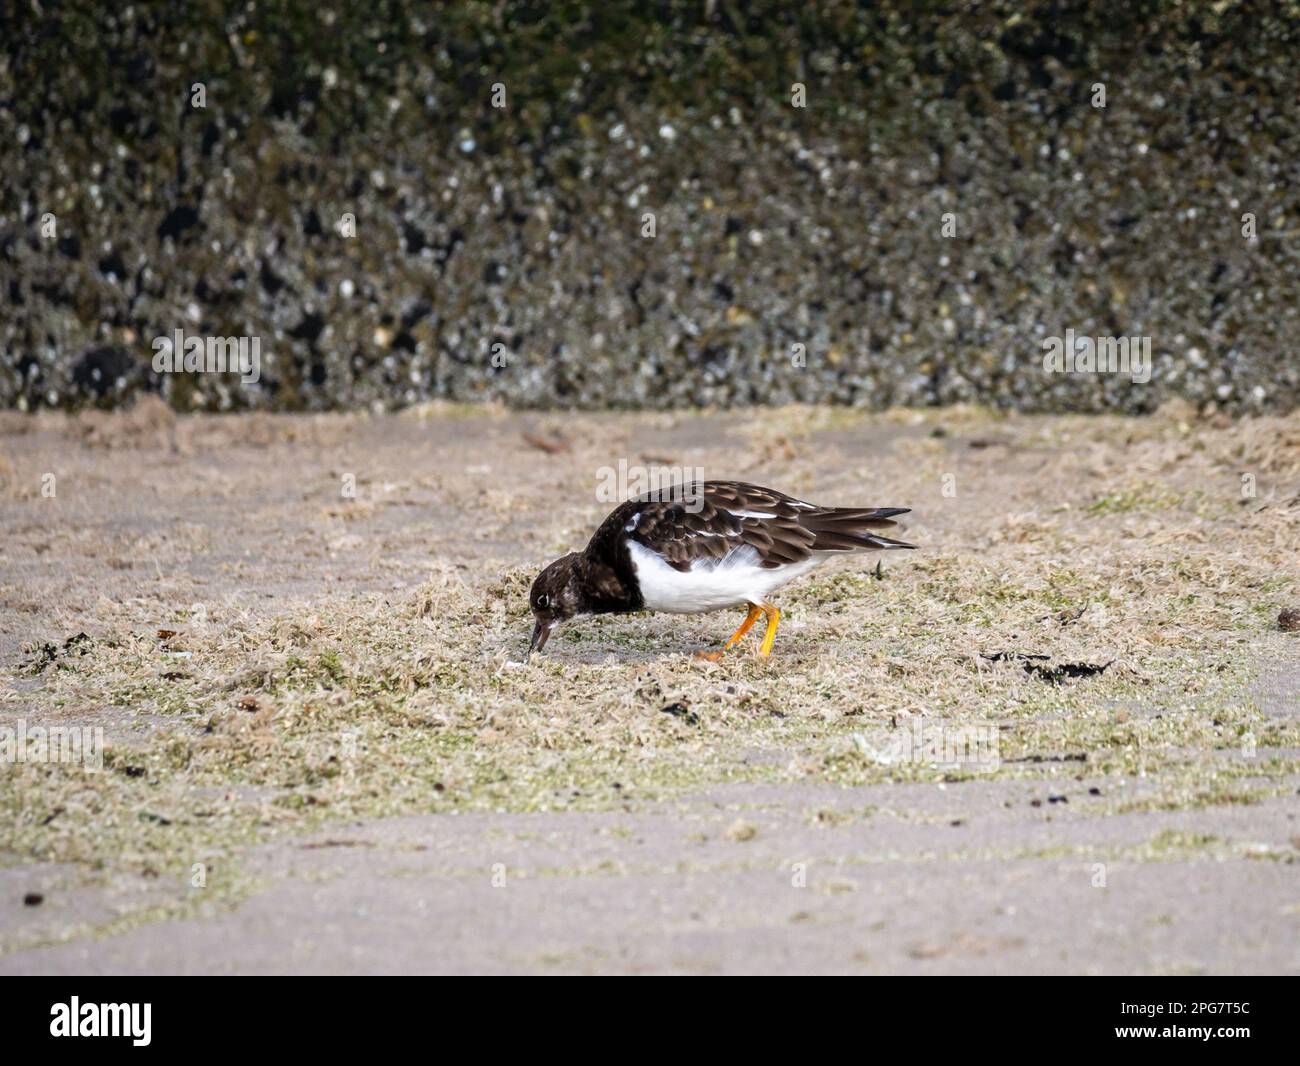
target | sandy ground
[{"x": 316, "y": 698}]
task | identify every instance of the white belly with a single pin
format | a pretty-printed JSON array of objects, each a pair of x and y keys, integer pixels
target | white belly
[{"x": 735, "y": 580}]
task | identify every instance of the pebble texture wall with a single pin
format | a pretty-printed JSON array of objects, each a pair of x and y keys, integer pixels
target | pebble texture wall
[{"x": 650, "y": 218}]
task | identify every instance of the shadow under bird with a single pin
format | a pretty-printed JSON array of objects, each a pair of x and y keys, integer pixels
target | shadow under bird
[{"x": 702, "y": 547}]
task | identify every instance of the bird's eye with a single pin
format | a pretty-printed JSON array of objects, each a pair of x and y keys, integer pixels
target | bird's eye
[{"x": 543, "y": 600}]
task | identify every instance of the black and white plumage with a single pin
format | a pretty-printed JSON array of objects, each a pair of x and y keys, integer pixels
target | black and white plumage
[{"x": 702, "y": 547}]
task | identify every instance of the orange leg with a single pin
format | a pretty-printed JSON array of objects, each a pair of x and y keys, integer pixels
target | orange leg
[
  {"x": 745, "y": 626},
  {"x": 773, "y": 617}
]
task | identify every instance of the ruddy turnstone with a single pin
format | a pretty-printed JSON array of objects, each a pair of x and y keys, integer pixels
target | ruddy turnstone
[{"x": 699, "y": 548}]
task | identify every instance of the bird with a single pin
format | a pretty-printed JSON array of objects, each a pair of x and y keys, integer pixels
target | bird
[{"x": 702, "y": 546}]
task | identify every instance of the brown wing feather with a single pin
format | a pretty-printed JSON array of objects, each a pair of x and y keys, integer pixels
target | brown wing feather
[
  {"x": 684, "y": 531},
  {"x": 797, "y": 528},
  {"x": 707, "y": 522}
]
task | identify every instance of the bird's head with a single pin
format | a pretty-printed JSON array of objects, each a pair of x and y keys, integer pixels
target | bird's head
[{"x": 556, "y": 597}]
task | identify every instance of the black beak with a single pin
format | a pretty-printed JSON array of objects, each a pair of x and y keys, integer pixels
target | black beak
[{"x": 540, "y": 632}]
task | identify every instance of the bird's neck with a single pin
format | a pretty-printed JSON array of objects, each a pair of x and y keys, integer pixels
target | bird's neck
[{"x": 605, "y": 591}]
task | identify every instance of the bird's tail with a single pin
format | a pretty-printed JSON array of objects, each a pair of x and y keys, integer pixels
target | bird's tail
[{"x": 840, "y": 529}]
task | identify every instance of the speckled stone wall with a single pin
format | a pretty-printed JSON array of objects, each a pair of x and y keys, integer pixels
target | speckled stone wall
[{"x": 949, "y": 196}]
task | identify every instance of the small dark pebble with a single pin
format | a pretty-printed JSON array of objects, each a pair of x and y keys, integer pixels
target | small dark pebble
[
  {"x": 1035, "y": 803},
  {"x": 1094, "y": 792},
  {"x": 680, "y": 710},
  {"x": 33, "y": 899},
  {"x": 956, "y": 822},
  {"x": 1058, "y": 799}
]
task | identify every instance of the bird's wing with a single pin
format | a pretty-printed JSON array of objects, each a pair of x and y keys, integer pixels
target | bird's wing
[{"x": 707, "y": 522}]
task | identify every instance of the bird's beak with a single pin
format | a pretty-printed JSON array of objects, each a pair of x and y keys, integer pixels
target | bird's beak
[{"x": 540, "y": 632}]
